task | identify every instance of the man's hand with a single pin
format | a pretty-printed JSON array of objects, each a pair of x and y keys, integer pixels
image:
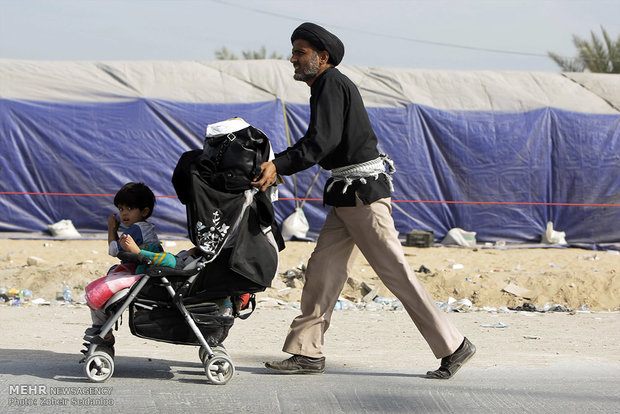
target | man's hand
[{"x": 266, "y": 177}]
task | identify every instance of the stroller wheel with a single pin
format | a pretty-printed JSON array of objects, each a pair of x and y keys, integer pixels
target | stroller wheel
[
  {"x": 220, "y": 350},
  {"x": 107, "y": 349},
  {"x": 99, "y": 366},
  {"x": 219, "y": 369},
  {"x": 217, "y": 350}
]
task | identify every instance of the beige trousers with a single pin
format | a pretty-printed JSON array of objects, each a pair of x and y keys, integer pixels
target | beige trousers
[{"x": 371, "y": 228}]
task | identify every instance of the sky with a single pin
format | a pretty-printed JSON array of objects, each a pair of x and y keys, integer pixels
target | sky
[{"x": 419, "y": 34}]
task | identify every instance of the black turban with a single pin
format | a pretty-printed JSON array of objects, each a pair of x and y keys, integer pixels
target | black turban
[{"x": 321, "y": 39}]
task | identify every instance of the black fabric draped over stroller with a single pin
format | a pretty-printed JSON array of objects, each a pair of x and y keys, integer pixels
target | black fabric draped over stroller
[
  {"x": 229, "y": 220},
  {"x": 232, "y": 225}
]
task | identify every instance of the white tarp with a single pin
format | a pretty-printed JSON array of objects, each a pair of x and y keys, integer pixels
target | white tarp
[{"x": 264, "y": 80}]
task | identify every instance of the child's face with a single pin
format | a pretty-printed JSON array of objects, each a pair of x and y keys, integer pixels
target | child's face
[{"x": 131, "y": 215}]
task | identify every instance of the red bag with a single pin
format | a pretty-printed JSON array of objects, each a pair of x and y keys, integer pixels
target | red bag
[{"x": 99, "y": 291}]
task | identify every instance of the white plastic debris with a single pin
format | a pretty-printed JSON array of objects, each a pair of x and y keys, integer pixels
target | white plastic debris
[
  {"x": 447, "y": 306},
  {"x": 344, "y": 304},
  {"x": 495, "y": 325},
  {"x": 460, "y": 237},
  {"x": 463, "y": 304},
  {"x": 551, "y": 236},
  {"x": 64, "y": 229},
  {"x": 295, "y": 225}
]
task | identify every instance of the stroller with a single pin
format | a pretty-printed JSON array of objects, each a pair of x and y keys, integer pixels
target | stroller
[{"x": 232, "y": 224}]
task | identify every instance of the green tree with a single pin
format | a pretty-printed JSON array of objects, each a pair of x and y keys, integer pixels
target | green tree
[
  {"x": 596, "y": 55},
  {"x": 224, "y": 54}
]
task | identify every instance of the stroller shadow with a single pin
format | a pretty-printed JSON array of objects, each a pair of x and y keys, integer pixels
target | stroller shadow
[
  {"x": 65, "y": 367},
  {"x": 199, "y": 373}
]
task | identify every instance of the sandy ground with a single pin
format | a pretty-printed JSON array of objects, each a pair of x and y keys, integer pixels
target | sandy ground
[
  {"x": 573, "y": 278},
  {"x": 357, "y": 338}
]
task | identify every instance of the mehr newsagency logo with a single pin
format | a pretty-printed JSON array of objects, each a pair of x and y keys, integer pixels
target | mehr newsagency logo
[{"x": 40, "y": 395}]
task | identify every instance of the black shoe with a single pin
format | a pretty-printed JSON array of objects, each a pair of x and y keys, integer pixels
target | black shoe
[
  {"x": 94, "y": 330},
  {"x": 452, "y": 363},
  {"x": 298, "y": 364}
]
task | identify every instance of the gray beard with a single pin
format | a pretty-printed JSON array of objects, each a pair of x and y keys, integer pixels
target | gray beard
[{"x": 308, "y": 72}]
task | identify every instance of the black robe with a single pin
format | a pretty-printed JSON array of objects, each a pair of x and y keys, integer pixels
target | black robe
[{"x": 339, "y": 134}]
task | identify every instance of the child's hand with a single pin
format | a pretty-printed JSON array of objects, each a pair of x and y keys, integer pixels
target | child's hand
[
  {"x": 113, "y": 223},
  {"x": 128, "y": 244}
]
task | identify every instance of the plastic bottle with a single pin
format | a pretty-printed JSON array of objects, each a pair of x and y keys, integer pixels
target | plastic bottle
[
  {"x": 226, "y": 308},
  {"x": 66, "y": 293}
]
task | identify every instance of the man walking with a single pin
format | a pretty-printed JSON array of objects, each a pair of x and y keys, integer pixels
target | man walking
[{"x": 340, "y": 138}]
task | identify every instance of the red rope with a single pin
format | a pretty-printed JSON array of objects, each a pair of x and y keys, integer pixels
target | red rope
[
  {"x": 70, "y": 194},
  {"x": 320, "y": 199},
  {"x": 479, "y": 202}
]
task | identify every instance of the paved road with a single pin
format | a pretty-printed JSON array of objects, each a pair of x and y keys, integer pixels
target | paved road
[
  {"x": 376, "y": 363},
  {"x": 142, "y": 385}
]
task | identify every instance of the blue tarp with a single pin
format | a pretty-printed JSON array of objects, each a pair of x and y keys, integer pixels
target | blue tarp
[{"x": 503, "y": 174}]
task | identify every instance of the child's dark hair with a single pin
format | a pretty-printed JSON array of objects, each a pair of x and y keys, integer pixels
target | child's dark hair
[{"x": 136, "y": 195}]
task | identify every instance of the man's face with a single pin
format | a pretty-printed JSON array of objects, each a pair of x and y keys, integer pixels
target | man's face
[{"x": 305, "y": 60}]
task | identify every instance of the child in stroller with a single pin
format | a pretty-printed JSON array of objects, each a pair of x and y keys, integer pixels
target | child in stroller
[
  {"x": 236, "y": 240},
  {"x": 135, "y": 203},
  {"x": 154, "y": 316}
]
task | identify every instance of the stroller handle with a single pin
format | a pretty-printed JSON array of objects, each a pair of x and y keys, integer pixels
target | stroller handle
[{"x": 161, "y": 271}]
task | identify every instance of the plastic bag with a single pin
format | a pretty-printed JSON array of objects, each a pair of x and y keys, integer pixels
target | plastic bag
[
  {"x": 295, "y": 225},
  {"x": 551, "y": 236},
  {"x": 460, "y": 237},
  {"x": 64, "y": 229}
]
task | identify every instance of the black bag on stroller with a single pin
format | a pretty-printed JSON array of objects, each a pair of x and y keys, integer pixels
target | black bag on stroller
[{"x": 231, "y": 222}]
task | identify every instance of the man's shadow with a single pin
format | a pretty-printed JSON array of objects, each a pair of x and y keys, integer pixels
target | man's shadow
[{"x": 65, "y": 367}]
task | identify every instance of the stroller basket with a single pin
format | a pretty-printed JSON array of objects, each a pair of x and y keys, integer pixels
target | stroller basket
[{"x": 167, "y": 324}]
